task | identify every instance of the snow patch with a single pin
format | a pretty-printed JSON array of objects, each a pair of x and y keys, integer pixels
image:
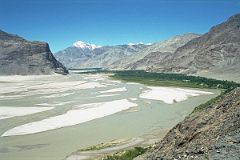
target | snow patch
[
  {"x": 83, "y": 45},
  {"x": 133, "y": 44}
]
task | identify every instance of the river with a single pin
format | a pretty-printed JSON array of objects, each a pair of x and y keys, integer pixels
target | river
[{"x": 49, "y": 117}]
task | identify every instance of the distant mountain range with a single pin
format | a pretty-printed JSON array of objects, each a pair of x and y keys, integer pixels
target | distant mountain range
[
  {"x": 212, "y": 54},
  {"x": 215, "y": 54},
  {"x": 21, "y": 57},
  {"x": 85, "y": 55},
  {"x": 153, "y": 53},
  {"x": 216, "y": 51},
  {"x": 91, "y": 56}
]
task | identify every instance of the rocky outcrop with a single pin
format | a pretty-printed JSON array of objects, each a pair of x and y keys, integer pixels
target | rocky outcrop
[
  {"x": 217, "y": 51},
  {"x": 21, "y": 57},
  {"x": 73, "y": 57},
  {"x": 213, "y": 133}
]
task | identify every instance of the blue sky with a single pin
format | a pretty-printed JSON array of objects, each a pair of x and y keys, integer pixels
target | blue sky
[{"x": 110, "y": 22}]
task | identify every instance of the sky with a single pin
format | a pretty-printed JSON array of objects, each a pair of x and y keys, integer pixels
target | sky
[{"x": 111, "y": 22}]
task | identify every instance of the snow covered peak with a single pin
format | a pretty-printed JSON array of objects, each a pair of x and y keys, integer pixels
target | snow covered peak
[
  {"x": 132, "y": 44},
  {"x": 83, "y": 45}
]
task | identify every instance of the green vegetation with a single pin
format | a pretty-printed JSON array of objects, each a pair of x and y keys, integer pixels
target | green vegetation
[
  {"x": 203, "y": 106},
  {"x": 172, "y": 79},
  {"x": 97, "y": 147},
  {"x": 103, "y": 145},
  {"x": 169, "y": 79},
  {"x": 182, "y": 80},
  {"x": 126, "y": 155}
]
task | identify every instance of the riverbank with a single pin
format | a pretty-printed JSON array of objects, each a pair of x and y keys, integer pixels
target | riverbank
[
  {"x": 76, "y": 93},
  {"x": 154, "y": 80},
  {"x": 211, "y": 133}
]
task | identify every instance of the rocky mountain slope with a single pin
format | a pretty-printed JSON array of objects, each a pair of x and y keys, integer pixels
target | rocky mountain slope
[
  {"x": 104, "y": 57},
  {"x": 215, "y": 54},
  {"x": 158, "y": 50},
  {"x": 217, "y": 51},
  {"x": 151, "y": 58},
  {"x": 211, "y": 133},
  {"x": 22, "y": 57},
  {"x": 95, "y": 57},
  {"x": 119, "y": 56}
]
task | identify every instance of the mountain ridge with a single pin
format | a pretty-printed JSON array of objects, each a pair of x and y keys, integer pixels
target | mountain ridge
[
  {"x": 83, "y": 45},
  {"x": 117, "y": 56},
  {"x": 19, "y": 56},
  {"x": 216, "y": 51}
]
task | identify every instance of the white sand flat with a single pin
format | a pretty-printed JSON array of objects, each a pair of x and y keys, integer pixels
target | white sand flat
[
  {"x": 133, "y": 99},
  {"x": 107, "y": 95},
  {"x": 59, "y": 88},
  {"x": 170, "y": 95},
  {"x": 58, "y": 95},
  {"x": 19, "y": 78},
  {"x": 134, "y": 83},
  {"x": 12, "y": 97},
  {"x": 7, "y": 88},
  {"x": 115, "y": 90},
  {"x": 54, "y": 104},
  {"x": 95, "y": 77},
  {"x": 9, "y": 112},
  {"x": 21, "y": 86},
  {"x": 115, "y": 81},
  {"x": 79, "y": 114}
]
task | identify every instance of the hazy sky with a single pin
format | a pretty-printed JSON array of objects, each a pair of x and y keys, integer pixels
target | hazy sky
[{"x": 108, "y": 22}]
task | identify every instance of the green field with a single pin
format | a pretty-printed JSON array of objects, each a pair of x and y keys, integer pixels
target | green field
[{"x": 170, "y": 79}]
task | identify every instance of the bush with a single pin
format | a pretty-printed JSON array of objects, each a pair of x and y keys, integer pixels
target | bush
[{"x": 127, "y": 155}]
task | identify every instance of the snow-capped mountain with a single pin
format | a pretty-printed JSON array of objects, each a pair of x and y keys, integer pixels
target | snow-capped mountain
[
  {"x": 132, "y": 44},
  {"x": 83, "y": 45},
  {"x": 85, "y": 55}
]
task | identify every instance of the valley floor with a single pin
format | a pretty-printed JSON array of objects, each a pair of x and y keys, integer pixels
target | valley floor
[
  {"x": 124, "y": 110},
  {"x": 223, "y": 76}
]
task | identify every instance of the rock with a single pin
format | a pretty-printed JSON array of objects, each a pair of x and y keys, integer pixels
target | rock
[
  {"x": 102, "y": 57},
  {"x": 217, "y": 51},
  {"x": 21, "y": 57},
  {"x": 153, "y": 53},
  {"x": 210, "y": 140},
  {"x": 137, "y": 56}
]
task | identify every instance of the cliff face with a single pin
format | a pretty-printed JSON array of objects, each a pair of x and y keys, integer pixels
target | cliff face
[
  {"x": 217, "y": 51},
  {"x": 213, "y": 133},
  {"x": 22, "y": 57}
]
